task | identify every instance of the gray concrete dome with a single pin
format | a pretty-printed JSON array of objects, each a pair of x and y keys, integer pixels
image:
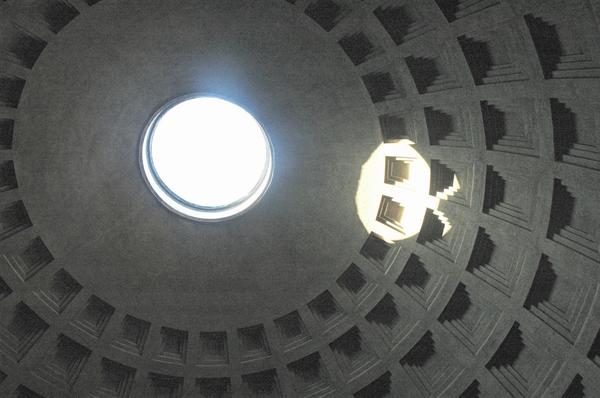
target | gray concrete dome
[{"x": 106, "y": 293}]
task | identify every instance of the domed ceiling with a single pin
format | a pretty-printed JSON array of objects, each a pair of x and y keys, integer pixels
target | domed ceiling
[{"x": 430, "y": 228}]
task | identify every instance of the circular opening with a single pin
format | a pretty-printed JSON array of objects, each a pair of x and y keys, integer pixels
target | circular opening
[{"x": 206, "y": 158}]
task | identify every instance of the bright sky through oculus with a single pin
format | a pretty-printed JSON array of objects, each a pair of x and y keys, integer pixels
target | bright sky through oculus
[{"x": 207, "y": 154}]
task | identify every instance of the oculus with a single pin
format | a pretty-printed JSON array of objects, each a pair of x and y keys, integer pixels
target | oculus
[{"x": 206, "y": 158}]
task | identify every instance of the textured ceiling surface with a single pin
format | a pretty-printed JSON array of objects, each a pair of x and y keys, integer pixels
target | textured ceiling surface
[
  {"x": 85, "y": 193},
  {"x": 104, "y": 293}
]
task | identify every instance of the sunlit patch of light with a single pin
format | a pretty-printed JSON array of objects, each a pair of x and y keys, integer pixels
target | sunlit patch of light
[{"x": 412, "y": 193}]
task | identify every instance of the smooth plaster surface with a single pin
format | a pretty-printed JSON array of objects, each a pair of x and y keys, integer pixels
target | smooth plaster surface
[{"x": 96, "y": 87}]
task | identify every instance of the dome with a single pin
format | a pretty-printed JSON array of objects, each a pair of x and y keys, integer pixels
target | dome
[{"x": 409, "y": 214}]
